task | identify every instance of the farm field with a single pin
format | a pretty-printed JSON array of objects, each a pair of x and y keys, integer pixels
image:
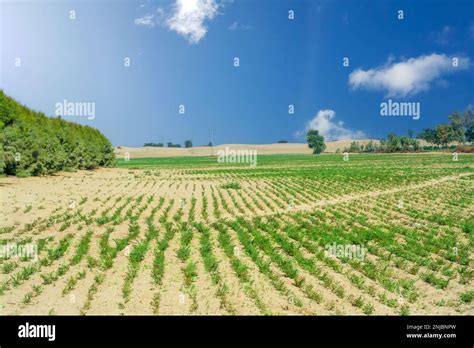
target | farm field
[{"x": 191, "y": 236}]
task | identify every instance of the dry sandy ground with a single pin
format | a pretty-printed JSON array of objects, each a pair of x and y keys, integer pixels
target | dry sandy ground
[
  {"x": 27, "y": 200},
  {"x": 262, "y": 149}
]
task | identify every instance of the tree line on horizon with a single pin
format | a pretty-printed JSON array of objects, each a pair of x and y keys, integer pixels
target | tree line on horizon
[
  {"x": 33, "y": 144},
  {"x": 187, "y": 144},
  {"x": 459, "y": 129}
]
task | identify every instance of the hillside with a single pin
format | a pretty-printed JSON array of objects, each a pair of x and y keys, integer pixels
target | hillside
[{"x": 262, "y": 149}]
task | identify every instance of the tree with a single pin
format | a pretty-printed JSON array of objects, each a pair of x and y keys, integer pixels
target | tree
[
  {"x": 315, "y": 141},
  {"x": 414, "y": 144},
  {"x": 460, "y": 129},
  {"x": 405, "y": 143},
  {"x": 469, "y": 134},
  {"x": 468, "y": 121},
  {"x": 456, "y": 127},
  {"x": 2, "y": 161},
  {"x": 370, "y": 147},
  {"x": 188, "y": 143},
  {"x": 393, "y": 143},
  {"x": 153, "y": 145},
  {"x": 444, "y": 134},
  {"x": 410, "y": 133},
  {"x": 355, "y": 147},
  {"x": 282, "y": 141},
  {"x": 429, "y": 135}
]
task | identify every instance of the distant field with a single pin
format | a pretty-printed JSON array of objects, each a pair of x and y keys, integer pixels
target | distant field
[
  {"x": 262, "y": 149},
  {"x": 297, "y": 160},
  {"x": 188, "y": 235}
]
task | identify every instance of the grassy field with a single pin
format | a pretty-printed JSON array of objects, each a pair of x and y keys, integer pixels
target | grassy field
[
  {"x": 299, "y": 161},
  {"x": 298, "y": 234}
]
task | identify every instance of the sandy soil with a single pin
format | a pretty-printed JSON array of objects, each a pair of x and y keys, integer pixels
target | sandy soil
[{"x": 51, "y": 208}]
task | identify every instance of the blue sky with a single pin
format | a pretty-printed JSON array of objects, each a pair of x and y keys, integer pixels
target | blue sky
[{"x": 182, "y": 53}]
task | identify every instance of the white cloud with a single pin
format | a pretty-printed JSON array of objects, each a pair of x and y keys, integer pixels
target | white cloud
[
  {"x": 147, "y": 21},
  {"x": 189, "y": 17},
  {"x": 233, "y": 26},
  {"x": 406, "y": 77},
  {"x": 443, "y": 36},
  {"x": 186, "y": 17},
  {"x": 150, "y": 20},
  {"x": 236, "y": 25},
  {"x": 324, "y": 122},
  {"x": 145, "y": 3}
]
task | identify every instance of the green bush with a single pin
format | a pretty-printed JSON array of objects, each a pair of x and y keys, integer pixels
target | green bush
[
  {"x": 467, "y": 296},
  {"x": 34, "y": 144},
  {"x": 2, "y": 161},
  {"x": 468, "y": 225}
]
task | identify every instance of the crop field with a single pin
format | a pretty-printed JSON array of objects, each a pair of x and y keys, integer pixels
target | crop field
[{"x": 298, "y": 234}]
